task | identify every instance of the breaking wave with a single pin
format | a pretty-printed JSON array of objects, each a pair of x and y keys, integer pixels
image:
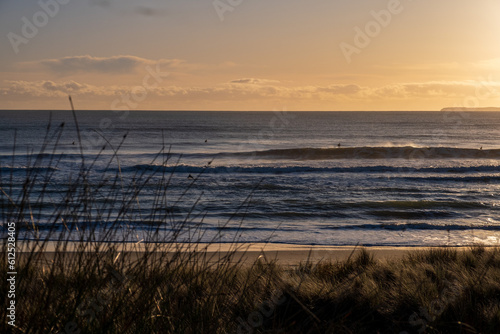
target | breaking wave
[
  {"x": 405, "y": 152},
  {"x": 182, "y": 168}
]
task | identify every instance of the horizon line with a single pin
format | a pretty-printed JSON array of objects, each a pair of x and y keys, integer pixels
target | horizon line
[{"x": 253, "y": 110}]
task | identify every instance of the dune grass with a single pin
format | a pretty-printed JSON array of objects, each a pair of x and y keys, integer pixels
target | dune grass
[
  {"x": 434, "y": 291},
  {"x": 168, "y": 286}
]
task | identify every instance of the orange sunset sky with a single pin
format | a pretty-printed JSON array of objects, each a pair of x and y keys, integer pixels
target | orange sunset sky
[{"x": 250, "y": 54}]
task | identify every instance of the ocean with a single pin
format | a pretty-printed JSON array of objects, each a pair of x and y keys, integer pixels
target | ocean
[{"x": 311, "y": 178}]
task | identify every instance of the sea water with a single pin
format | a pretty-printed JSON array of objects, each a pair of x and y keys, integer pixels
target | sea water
[{"x": 327, "y": 178}]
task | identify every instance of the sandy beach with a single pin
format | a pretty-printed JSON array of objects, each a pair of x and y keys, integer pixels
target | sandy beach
[
  {"x": 289, "y": 254},
  {"x": 248, "y": 253}
]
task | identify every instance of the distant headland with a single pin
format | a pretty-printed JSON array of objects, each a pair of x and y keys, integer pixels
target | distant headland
[{"x": 471, "y": 109}]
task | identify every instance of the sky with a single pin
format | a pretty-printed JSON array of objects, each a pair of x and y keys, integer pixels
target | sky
[{"x": 249, "y": 54}]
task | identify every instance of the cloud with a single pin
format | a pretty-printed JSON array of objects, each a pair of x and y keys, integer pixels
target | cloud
[
  {"x": 47, "y": 88},
  {"x": 140, "y": 10},
  {"x": 122, "y": 65},
  {"x": 435, "y": 89},
  {"x": 492, "y": 65},
  {"x": 489, "y": 64},
  {"x": 253, "y": 81},
  {"x": 106, "y": 65},
  {"x": 240, "y": 90},
  {"x": 426, "y": 90},
  {"x": 229, "y": 91},
  {"x": 339, "y": 89},
  {"x": 149, "y": 11}
]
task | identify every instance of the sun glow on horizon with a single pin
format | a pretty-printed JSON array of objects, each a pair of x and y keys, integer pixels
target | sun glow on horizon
[{"x": 371, "y": 55}]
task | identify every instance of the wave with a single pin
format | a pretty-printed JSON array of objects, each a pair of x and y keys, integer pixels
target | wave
[
  {"x": 193, "y": 169},
  {"x": 306, "y": 153},
  {"x": 54, "y": 156},
  {"x": 404, "y": 152},
  {"x": 27, "y": 169},
  {"x": 465, "y": 179},
  {"x": 412, "y": 226},
  {"x": 419, "y": 204},
  {"x": 415, "y": 226},
  {"x": 418, "y": 214}
]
